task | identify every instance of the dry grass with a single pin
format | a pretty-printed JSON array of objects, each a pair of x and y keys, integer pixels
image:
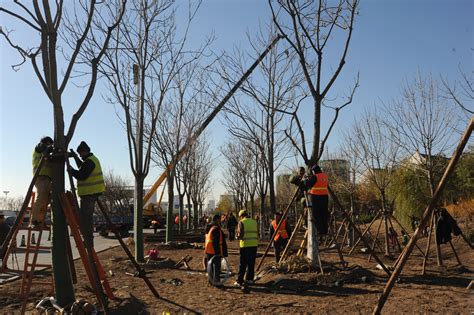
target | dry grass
[{"x": 464, "y": 210}]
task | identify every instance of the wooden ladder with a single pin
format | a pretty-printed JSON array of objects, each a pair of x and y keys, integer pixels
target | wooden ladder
[
  {"x": 90, "y": 263},
  {"x": 32, "y": 251}
]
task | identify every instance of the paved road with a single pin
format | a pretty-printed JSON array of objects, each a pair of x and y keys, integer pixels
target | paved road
[{"x": 17, "y": 259}]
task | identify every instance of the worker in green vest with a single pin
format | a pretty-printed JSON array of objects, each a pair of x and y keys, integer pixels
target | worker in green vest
[
  {"x": 90, "y": 185},
  {"x": 247, "y": 234},
  {"x": 42, "y": 183}
]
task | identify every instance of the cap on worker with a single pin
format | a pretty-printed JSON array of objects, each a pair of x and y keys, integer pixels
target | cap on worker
[
  {"x": 242, "y": 213},
  {"x": 47, "y": 140},
  {"x": 316, "y": 169},
  {"x": 83, "y": 147}
]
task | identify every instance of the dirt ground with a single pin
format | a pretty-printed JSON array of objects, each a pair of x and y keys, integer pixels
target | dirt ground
[{"x": 355, "y": 290}]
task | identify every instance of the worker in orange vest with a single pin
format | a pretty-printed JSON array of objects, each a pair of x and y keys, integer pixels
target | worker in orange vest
[
  {"x": 215, "y": 246},
  {"x": 281, "y": 237},
  {"x": 318, "y": 189}
]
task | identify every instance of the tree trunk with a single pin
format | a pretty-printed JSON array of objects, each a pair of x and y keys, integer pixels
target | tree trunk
[
  {"x": 169, "y": 212},
  {"x": 181, "y": 213},
  {"x": 313, "y": 246},
  {"x": 60, "y": 236},
  {"x": 138, "y": 219},
  {"x": 196, "y": 213}
]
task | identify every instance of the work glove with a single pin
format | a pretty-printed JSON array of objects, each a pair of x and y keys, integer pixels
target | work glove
[{"x": 72, "y": 154}]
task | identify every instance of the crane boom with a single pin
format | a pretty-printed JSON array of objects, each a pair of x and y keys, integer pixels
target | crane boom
[{"x": 208, "y": 120}]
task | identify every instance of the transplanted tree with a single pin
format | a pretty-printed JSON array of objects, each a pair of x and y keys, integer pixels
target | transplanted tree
[
  {"x": 309, "y": 27},
  {"x": 61, "y": 26}
]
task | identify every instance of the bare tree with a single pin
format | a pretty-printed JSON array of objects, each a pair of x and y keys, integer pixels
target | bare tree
[
  {"x": 368, "y": 142},
  {"x": 461, "y": 91},
  {"x": 240, "y": 179},
  {"x": 201, "y": 166},
  {"x": 309, "y": 26},
  {"x": 141, "y": 68},
  {"x": 185, "y": 110},
  {"x": 63, "y": 27},
  {"x": 117, "y": 195},
  {"x": 423, "y": 126},
  {"x": 258, "y": 114}
]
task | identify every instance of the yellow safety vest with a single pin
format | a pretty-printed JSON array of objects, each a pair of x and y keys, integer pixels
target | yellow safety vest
[
  {"x": 250, "y": 233},
  {"x": 45, "y": 169},
  {"x": 94, "y": 184}
]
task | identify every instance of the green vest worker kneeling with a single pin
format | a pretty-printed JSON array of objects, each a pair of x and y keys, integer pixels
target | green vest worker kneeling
[
  {"x": 247, "y": 234},
  {"x": 90, "y": 185}
]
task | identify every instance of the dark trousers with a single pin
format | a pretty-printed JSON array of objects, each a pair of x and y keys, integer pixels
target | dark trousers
[
  {"x": 247, "y": 263},
  {"x": 319, "y": 207},
  {"x": 231, "y": 233},
  {"x": 214, "y": 277},
  {"x": 86, "y": 214},
  {"x": 279, "y": 247}
]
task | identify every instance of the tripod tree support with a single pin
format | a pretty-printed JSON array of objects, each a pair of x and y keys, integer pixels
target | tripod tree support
[
  {"x": 356, "y": 229},
  {"x": 140, "y": 271},
  {"x": 425, "y": 219},
  {"x": 276, "y": 230}
]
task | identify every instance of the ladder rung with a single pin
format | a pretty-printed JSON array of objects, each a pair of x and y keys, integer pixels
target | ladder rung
[
  {"x": 40, "y": 265},
  {"x": 33, "y": 248},
  {"x": 43, "y": 282}
]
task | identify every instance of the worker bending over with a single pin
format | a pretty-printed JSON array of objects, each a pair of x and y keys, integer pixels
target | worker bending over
[
  {"x": 281, "y": 237},
  {"x": 215, "y": 246}
]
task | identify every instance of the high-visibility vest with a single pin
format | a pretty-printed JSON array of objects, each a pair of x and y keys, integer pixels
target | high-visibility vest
[
  {"x": 209, "y": 248},
  {"x": 320, "y": 188},
  {"x": 250, "y": 233},
  {"x": 94, "y": 184},
  {"x": 281, "y": 231},
  {"x": 45, "y": 169}
]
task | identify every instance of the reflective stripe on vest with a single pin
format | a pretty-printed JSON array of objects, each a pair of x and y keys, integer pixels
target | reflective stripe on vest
[
  {"x": 250, "y": 233},
  {"x": 320, "y": 188},
  {"x": 208, "y": 247},
  {"x": 94, "y": 184},
  {"x": 281, "y": 231},
  {"x": 45, "y": 169}
]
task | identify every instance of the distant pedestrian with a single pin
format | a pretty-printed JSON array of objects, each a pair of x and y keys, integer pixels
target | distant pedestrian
[
  {"x": 231, "y": 225},
  {"x": 405, "y": 238},
  {"x": 154, "y": 224}
]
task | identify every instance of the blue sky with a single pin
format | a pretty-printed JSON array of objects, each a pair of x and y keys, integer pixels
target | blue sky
[{"x": 392, "y": 42}]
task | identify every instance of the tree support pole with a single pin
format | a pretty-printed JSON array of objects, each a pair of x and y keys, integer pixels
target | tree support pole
[
  {"x": 356, "y": 229},
  {"x": 140, "y": 271},
  {"x": 427, "y": 251},
  {"x": 363, "y": 234},
  {"x": 426, "y": 215},
  {"x": 276, "y": 230}
]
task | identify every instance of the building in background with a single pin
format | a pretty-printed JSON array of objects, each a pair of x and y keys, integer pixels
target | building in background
[{"x": 336, "y": 167}]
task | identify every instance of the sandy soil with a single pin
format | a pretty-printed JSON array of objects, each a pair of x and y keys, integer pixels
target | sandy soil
[{"x": 356, "y": 290}]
